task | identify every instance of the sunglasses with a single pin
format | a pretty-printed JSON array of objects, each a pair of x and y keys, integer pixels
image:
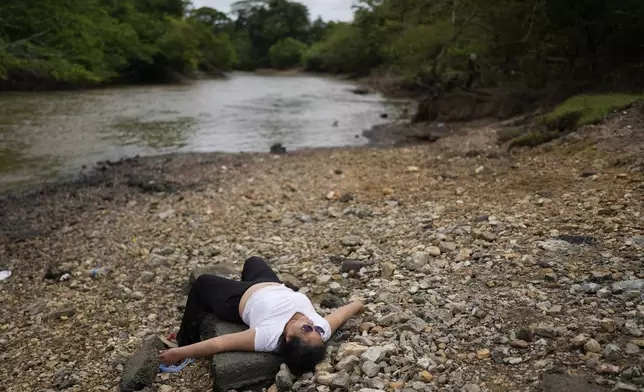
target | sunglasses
[{"x": 307, "y": 328}]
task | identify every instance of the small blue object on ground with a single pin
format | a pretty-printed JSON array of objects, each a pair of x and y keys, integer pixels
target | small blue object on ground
[{"x": 176, "y": 368}]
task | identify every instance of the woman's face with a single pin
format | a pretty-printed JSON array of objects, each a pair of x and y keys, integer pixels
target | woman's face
[{"x": 304, "y": 329}]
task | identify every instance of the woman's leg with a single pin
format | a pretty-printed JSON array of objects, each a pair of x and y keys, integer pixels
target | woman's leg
[
  {"x": 210, "y": 294},
  {"x": 256, "y": 270}
]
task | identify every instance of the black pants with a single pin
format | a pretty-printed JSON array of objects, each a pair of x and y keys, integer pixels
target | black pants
[{"x": 220, "y": 296}]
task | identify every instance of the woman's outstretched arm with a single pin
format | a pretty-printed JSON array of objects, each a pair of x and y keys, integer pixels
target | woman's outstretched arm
[
  {"x": 341, "y": 315},
  {"x": 241, "y": 341}
]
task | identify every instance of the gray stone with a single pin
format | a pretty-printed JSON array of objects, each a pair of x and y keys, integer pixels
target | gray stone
[
  {"x": 223, "y": 269},
  {"x": 375, "y": 382},
  {"x": 627, "y": 285},
  {"x": 623, "y": 387},
  {"x": 351, "y": 240},
  {"x": 545, "y": 330},
  {"x": 447, "y": 247},
  {"x": 590, "y": 287},
  {"x": 388, "y": 319},
  {"x": 141, "y": 368},
  {"x": 471, "y": 388},
  {"x": 157, "y": 260},
  {"x": 416, "y": 324},
  {"x": 417, "y": 261},
  {"x": 165, "y": 388},
  {"x": 608, "y": 325},
  {"x": 499, "y": 355},
  {"x": 238, "y": 370},
  {"x": 165, "y": 251},
  {"x": 323, "y": 279},
  {"x": 166, "y": 214},
  {"x": 341, "y": 380},
  {"x": 354, "y": 349},
  {"x": 554, "y": 245},
  {"x": 325, "y": 378},
  {"x": 632, "y": 329},
  {"x": 555, "y": 309},
  {"x": 370, "y": 369},
  {"x": 351, "y": 265},
  {"x": 631, "y": 349},
  {"x": 433, "y": 250},
  {"x": 603, "y": 293},
  {"x": 575, "y": 289},
  {"x": 284, "y": 379},
  {"x": 335, "y": 287},
  {"x": 566, "y": 383},
  {"x": 611, "y": 352},
  {"x": 592, "y": 346},
  {"x": 347, "y": 363},
  {"x": 64, "y": 379},
  {"x": 387, "y": 270},
  {"x": 146, "y": 276},
  {"x": 488, "y": 236},
  {"x": 579, "y": 340},
  {"x": 374, "y": 354},
  {"x": 545, "y": 305}
]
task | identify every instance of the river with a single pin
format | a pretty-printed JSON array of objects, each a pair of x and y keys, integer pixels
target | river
[{"x": 48, "y": 135}]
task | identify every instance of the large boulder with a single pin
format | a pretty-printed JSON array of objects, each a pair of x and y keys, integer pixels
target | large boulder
[
  {"x": 142, "y": 367},
  {"x": 238, "y": 370}
]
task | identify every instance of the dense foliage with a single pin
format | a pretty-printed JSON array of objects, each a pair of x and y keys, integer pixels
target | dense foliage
[
  {"x": 286, "y": 53},
  {"x": 427, "y": 42},
  {"x": 84, "y": 42},
  {"x": 488, "y": 41}
]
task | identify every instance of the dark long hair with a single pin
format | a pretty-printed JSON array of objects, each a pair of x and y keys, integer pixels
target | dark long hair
[{"x": 301, "y": 357}]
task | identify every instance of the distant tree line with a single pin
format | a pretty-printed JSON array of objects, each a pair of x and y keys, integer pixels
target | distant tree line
[{"x": 62, "y": 43}]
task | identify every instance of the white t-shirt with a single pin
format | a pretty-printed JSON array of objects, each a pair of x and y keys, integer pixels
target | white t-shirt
[{"x": 270, "y": 308}]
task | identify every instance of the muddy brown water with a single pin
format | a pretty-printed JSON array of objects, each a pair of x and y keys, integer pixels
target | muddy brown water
[{"x": 48, "y": 135}]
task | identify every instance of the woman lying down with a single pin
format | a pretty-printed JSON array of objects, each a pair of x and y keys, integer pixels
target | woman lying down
[{"x": 279, "y": 319}]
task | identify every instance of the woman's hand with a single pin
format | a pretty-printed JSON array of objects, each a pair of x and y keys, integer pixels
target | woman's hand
[
  {"x": 171, "y": 356},
  {"x": 340, "y": 316},
  {"x": 359, "y": 300}
]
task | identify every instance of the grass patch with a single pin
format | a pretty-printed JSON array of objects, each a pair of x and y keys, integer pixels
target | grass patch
[
  {"x": 505, "y": 134},
  {"x": 587, "y": 109},
  {"x": 575, "y": 112},
  {"x": 534, "y": 138}
]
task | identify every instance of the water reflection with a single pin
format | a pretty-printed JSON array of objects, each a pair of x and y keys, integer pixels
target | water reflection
[{"x": 158, "y": 135}]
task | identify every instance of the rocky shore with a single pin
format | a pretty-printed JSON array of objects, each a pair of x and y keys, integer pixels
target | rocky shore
[{"x": 482, "y": 270}]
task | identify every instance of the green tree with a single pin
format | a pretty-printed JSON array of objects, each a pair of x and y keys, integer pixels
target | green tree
[
  {"x": 79, "y": 43},
  {"x": 216, "y": 20},
  {"x": 317, "y": 31},
  {"x": 85, "y": 42},
  {"x": 266, "y": 22},
  {"x": 287, "y": 53},
  {"x": 344, "y": 51}
]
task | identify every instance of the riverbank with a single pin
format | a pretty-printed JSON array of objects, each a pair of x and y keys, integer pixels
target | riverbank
[{"x": 483, "y": 268}]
